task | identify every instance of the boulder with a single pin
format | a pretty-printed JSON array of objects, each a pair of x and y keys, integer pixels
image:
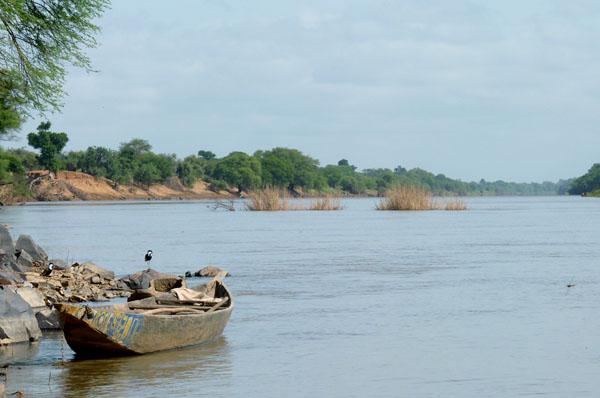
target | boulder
[
  {"x": 17, "y": 320},
  {"x": 8, "y": 276},
  {"x": 141, "y": 280},
  {"x": 25, "y": 260},
  {"x": 25, "y": 243},
  {"x": 210, "y": 271},
  {"x": 48, "y": 319},
  {"x": 93, "y": 269},
  {"x": 6, "y": 244},
  {"x": 13, "y": 266},
  {"x": 32, "y": 296}
]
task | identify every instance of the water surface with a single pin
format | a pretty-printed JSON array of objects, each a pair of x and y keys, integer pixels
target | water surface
[{"x": 348, "y": 303}]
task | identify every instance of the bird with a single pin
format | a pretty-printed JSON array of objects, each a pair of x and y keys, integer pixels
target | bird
[
  {"x": 148, "y": 256},
  {"x": 48, "y": 271}
]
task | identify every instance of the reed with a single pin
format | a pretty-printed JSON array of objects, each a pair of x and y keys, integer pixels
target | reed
[
  {"x": 269, "y": 199},
  {"x": 407, "y": 197},
  {"x": 456, "y": 205},
  {"x": 326, "y": 203}
]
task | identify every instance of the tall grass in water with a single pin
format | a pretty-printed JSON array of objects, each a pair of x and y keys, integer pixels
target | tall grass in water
[
  {"x": 271, "y": 199},
  {"x": 326, "y": 203},
  {"x": 268, "y": 199},
  {"x": 406, "y": 197},
  {"x": 456, "y": 205}
]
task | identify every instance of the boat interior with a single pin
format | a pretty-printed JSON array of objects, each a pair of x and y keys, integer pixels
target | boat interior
[{"x": 171, "y": 296}]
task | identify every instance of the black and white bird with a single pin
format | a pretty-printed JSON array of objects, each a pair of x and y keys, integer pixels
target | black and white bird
[
  {"x": 48, "y": 271},
  {"x": 148, "y": 256}
]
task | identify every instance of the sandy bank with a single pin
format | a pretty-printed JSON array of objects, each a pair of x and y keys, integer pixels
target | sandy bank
[{"x": 74, "y": 186}]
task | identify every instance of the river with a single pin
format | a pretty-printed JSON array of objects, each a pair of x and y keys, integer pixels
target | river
[{"x": 352, "y": 303}]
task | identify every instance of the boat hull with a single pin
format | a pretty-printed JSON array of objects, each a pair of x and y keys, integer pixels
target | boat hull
[{"x": 106, "y": 331}]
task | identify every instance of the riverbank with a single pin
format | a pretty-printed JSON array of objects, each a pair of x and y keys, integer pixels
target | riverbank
[{"x": 43, "y": 186}]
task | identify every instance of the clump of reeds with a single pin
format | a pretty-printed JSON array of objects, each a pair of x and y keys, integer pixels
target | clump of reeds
[
  {"x": 456, "y": 205},
  {"x": 268, "y": 199},
  {"x": 406, "y": 197},
  {"x": 326, "y": 203}
]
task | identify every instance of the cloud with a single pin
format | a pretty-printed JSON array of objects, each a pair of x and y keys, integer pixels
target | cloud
[{"x": 471, "y": 89}]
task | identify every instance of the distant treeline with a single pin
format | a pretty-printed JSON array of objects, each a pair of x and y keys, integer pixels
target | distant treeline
[
  {"x": 587, "y": 184},
  {"x": 135, "y": 163}
]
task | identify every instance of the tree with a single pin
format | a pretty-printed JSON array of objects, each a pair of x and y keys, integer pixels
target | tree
[
  {"x": 206, "y": 155},
  {"x": 588, "y": 182},
  {"x": 50, "y": 145},
  {"x": 343, "y": 162},
  {"x": 239, "y": 170},
  {"x": 135, "y": 147},
  {"x": 190, "y": 169},
  {"x": 290, "y": 168},
  {"x": 40, "y": 39},
  {"x": 12, "y": 104}
]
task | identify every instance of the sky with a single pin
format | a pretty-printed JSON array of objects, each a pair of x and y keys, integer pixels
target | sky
[{"x": 471, "y": 89}]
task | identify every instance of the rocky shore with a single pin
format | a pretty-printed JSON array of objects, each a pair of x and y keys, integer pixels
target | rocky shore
[{"x": 29, "y": 287}]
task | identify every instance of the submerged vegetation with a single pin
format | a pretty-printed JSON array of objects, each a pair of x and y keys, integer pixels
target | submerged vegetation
[
  {"x": 406, "y": 197},
  {"x": 456, "y": 205},
  {"x": 326, "y": 203},
  {"x": 270, "y": 199}
]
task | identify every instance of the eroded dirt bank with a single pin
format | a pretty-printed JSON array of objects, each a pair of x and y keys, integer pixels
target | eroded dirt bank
[{"x": 73, "y": 186}]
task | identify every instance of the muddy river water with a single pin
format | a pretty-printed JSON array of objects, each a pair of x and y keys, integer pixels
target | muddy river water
[{"x": 352, "y": 303}]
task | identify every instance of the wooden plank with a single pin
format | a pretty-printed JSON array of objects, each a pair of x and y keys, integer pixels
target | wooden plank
[
  {"x": 175, "y": 310},
  {"x": 156, "y": 306},
  {"x": 218, "y": 305}
]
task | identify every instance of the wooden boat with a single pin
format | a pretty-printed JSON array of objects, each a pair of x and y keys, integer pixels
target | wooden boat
[{"x": 147, "y": 325}]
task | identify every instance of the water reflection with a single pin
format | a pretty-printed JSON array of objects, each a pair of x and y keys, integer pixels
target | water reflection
[
  {"x": 16, "y": 353},
  {"x": 145, "y": 375}
]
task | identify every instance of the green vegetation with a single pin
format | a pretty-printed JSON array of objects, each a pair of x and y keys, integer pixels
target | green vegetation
[
  {"x": 39, "y": 39},
  {"x": 50, "y": 145},
  {"x": 587, "y": 184},
  {"x": 280, "y": 168}
]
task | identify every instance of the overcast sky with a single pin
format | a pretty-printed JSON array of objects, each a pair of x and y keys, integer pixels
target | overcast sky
[{"x": 472, "y": 89}]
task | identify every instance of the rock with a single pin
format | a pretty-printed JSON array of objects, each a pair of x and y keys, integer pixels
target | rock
[
  {"x": 210, "y": 271},
  {"x": 188, "y": 274},
  {"x": 9, "y": 277},
  {"x": 91, "y": 268},
  {"x": 25, "y": 260},
  {"x": 96, "y": 279},
  {"x": 32, "y": 296},
  {"x": 48, "y": 319},
  {"x": 6, "y": 243},
  {"x": 26, "y": 243},
  {"x": 17, "y": 321},
  {"x": 12, "y": 266},
  {"x": 141, "y": 280}
]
